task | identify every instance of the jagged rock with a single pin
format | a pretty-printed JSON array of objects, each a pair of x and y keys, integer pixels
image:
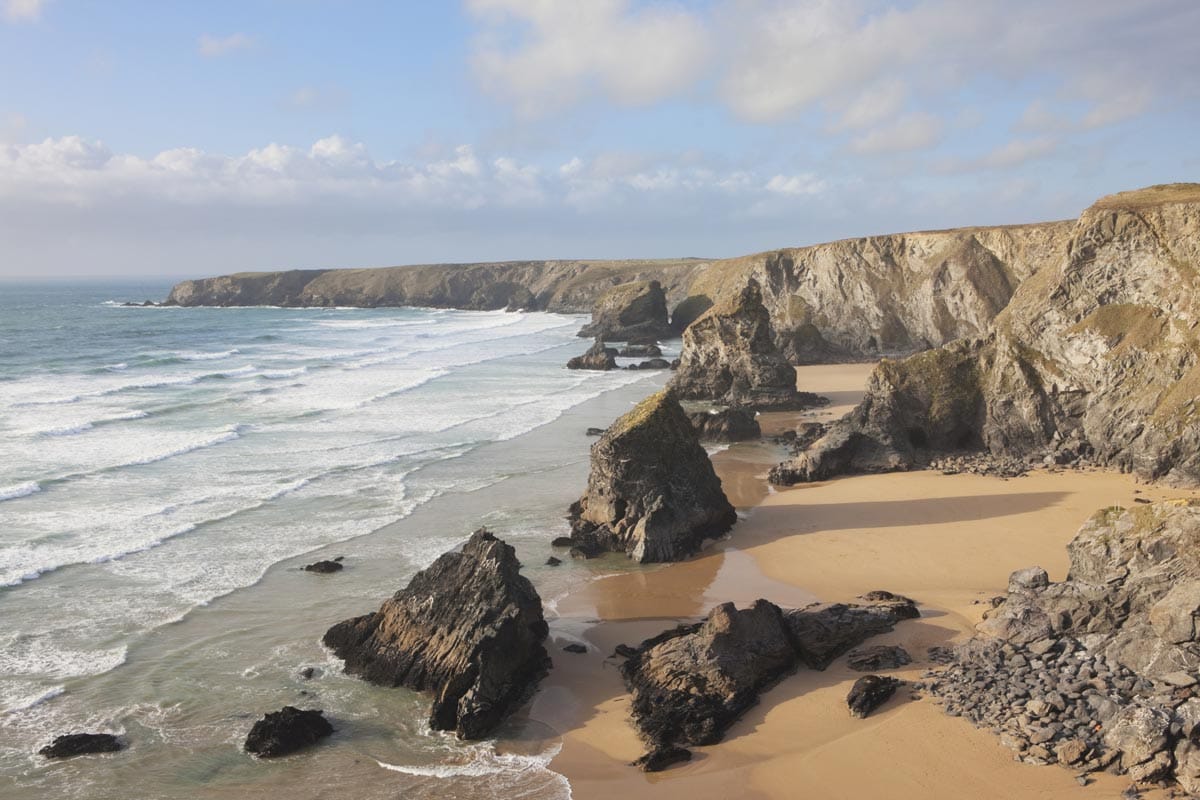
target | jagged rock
[
  {"x": 726, "y": 425},
  {"x": 654, "y": 363},
  {"x": 729, "y": 356},
  {"x": 878, "y": 657},
  {"x": 652, "y": 492},
  {"x": 553, "y": 562},
  {"x": 324, "y": 567},
  {"x": 663, "y": 757},
  {"x": 689, "y": 687},
  {"x": 640, "y": 351},
  {"x": 635, "y": 310},
  {"x": 594, "y": 432},
  {"x": 1086, "y": 363},
  {"x": 597, "y": 357},
  {"x": 286, "y": 731},
  {"x": 824, "y": 631},
  {"x": 469, "y": 628},
  {"x": 81, "y": 744},
  {"x": 1141, "y": 734},
  {"x": 870, "y": 692}
]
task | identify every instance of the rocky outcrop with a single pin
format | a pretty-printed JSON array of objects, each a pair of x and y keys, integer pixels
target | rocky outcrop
[
  {"x": 729, "y": 356},
  {"x": 870, "y": 692},
  {"x": 689, "y": 684},
  {"x": 636, "y": 310},
  {"x": 81, "y": 744},
  {"x": 325, "y": 566},
  {"x": 597, "y": 357},
  {"x": 878, "y": 657},
  {"x": 1094, "y": 357},
  {"x": 283, "y": 732},
  {"x": 652, "y": 492},
  {"x": 725, "y": 425},
  {"x": 469, "y": 629},
  {"x": 1100, "y": 670}
]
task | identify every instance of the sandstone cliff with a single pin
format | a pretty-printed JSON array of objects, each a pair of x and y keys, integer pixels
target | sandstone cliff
[
  {"x": 634, "y": 311},
  {"x": 1097, "y": 354},
  {"x": 652, "y": 492},
  {"x": 469, "y": 629}
]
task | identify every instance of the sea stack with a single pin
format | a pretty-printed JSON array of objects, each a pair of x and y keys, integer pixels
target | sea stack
[
  {"x": 730, "y": 357},
  {"x": 469, "y": 629},
  {"x": 636, "y": 310},
  {"x": 652, "y": 492}
]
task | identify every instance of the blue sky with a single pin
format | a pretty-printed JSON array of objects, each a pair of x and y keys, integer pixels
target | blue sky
[{"x": 177, "y": 139}]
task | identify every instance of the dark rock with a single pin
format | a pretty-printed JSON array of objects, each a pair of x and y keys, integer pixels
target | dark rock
[
  {"x": 729, "y": 356},
  {"x": 575, "y": 648},
  {"x": 869, "y": 693},
  {"x": 640, "y": 351},
  {"x": 553, "y": 562},
  {"x": 654, "y": 363},
  {"x": 660, "y": 758},
  {"x": 286, "y": 731},
  {"x": 625, "y": 651},
  {"x": 652, "y": 492},
  {"x": 81, "y": 744},
  {"x": 878, "y": 657},
  {"x": 562, "y": 541},
  {"x": 726, "y": 425},
  {"x": 598, "y": 357},
  {"x": 594, "y": 432},
  {"x": 824, "y": 631},
  {"x": 324, "y": 567},
  {"x": 307, "y": 673},
  {"x": 469, "y": 628},
  {"x": 636, "y": 310}
]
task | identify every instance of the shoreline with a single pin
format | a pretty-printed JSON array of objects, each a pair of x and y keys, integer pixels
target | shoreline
[{"x": 949, "y": 542}]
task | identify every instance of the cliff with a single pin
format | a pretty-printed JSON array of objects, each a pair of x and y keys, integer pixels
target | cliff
[{"x": 1096, "y": 355}]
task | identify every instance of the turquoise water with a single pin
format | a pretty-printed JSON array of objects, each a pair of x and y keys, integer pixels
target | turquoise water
[{"x": 165, "y": 471}]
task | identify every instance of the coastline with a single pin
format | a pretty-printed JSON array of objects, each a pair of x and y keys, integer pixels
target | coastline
[{"x": 949, "y": 542}]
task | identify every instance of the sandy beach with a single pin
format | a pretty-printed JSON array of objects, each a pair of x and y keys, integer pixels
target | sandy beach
[{"x": 949, "y": 542}]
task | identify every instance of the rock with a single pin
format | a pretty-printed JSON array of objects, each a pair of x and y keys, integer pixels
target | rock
[
  {"x": 726, "y": 425},
  {"x": 562, "y": 541},
  {"x": 654, "y": 363},
  {"x": 81, "y": 744},
  {"x": 660, "y": 758},
  {"x": 630, "y": 310},
  {"x": 286, "y": 731},
  {"x": 324, "y": 567},
  {"x": 824, "y": 631},
  {"x": 594, "y": 432},
  {"x": 307, "y": 673},
  {"x": 575, "y": 648},
  {"x": 729, "y": 356},
  {"x": 878, "y": 657},
  {"x": 553, "y": 562},
  {"x": 630, "y": 350},
  {"x": 690, "y": 686},
  {"x": 598, "y": 357},
  {"x": 1072, "y": 751},
  {"x": 1141, "y": 734},
  {"x": 869, "y": 693},
  {"x": 652, "y": 492},
  {"x": 469, "y": 628},
  {"x": 1028, "y": 580}
]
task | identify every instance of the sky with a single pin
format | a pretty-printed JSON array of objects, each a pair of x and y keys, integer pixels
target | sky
[{"x": 190, "y": 139}]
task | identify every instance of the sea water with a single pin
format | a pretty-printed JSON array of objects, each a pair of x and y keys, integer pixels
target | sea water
[{"x": 165, "y": 473}]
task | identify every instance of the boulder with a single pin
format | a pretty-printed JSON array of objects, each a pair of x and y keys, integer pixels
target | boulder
[
  {"x": 659, "y": 759},
  {"x": 870, "y": 692},
  {"x": 878, "y": 657},
  {"x": 653, "y": 363},
  {"x": 635, "y": 310},
  {"x": 81, "y": 744},
  {"x": 282, "y": 732},
  {"x": 640, "y": 351},
  {"x": 652, "y": 492},
  {"x": 725, "y": 425},
  {"x": 325, "y": 567},
  {"x": 469, "y": 629},
  {"x": 597, "y": 357},
  {"x": 729, "y": 356}
]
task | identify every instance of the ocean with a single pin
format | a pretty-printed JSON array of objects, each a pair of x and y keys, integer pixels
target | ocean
[{"x": 166, "y": 473}]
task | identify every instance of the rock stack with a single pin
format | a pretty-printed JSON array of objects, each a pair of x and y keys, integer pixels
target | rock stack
[{"x": 634, "y": 311}]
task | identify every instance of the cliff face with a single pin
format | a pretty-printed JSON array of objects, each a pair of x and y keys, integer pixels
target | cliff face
[{"x": 1098, "y": 354}]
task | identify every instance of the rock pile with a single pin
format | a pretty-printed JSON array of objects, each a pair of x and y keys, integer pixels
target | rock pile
[{"x": 999, "y": 466}]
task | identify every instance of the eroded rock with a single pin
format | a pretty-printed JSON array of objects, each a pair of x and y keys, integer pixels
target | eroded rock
[
  {"x": 635, "y": 310},
  {"x": 283, "y": 732},
  {"x": 81, "y": 744},
  {"x": 598, "y": 357},
  {"x": 725, "y": 425},
  {"x": 870, "y": 692}
]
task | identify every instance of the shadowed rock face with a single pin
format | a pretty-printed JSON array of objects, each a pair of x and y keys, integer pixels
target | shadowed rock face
[
  {"x": 1100, "y": 670},
  {"x": 597, "y": 357},
  {"x": 469, "y": 628},
  {"x": 691, "y": 683},
  {"x": 726, "y": 425},
  {"x": 282, "y": 732},
  {"x": 81, "y": 744},
  {"x": 635, "y": 310},
  {"x": 729, "y": 356},
  {"x": 652, "y": 492},
  {"x": 1096, "y": 354}
]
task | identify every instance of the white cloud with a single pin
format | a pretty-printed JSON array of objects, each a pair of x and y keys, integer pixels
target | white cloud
[
  {"x": 24, "y": 10},
  {"x": 1012, "y": 154},
  {"x": 215, "y": 46},
  {"x": 915, "y": 131},
  {"x": 543, "y": 55},
  {"x": 806, "y": 183},
  {"x": 871, "y": 106},
  {"x": 317, "y": 98}
]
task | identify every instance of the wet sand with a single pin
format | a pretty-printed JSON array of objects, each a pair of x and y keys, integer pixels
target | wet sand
[{"x": 950, "y": 542}]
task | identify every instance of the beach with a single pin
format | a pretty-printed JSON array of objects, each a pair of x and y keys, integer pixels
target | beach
[{"x": 948, "y": 541}]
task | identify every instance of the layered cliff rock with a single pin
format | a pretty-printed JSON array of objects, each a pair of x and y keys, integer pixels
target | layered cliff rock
[
  {"x": 630, "y": 311},
  {"x": 729, "y": 356},
  {"x": 1098, "y": 671},
  {"x": 469, "y": 629},
  {"x": 1097, "y": 354},
  {"x": 652, "y": 492}
]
